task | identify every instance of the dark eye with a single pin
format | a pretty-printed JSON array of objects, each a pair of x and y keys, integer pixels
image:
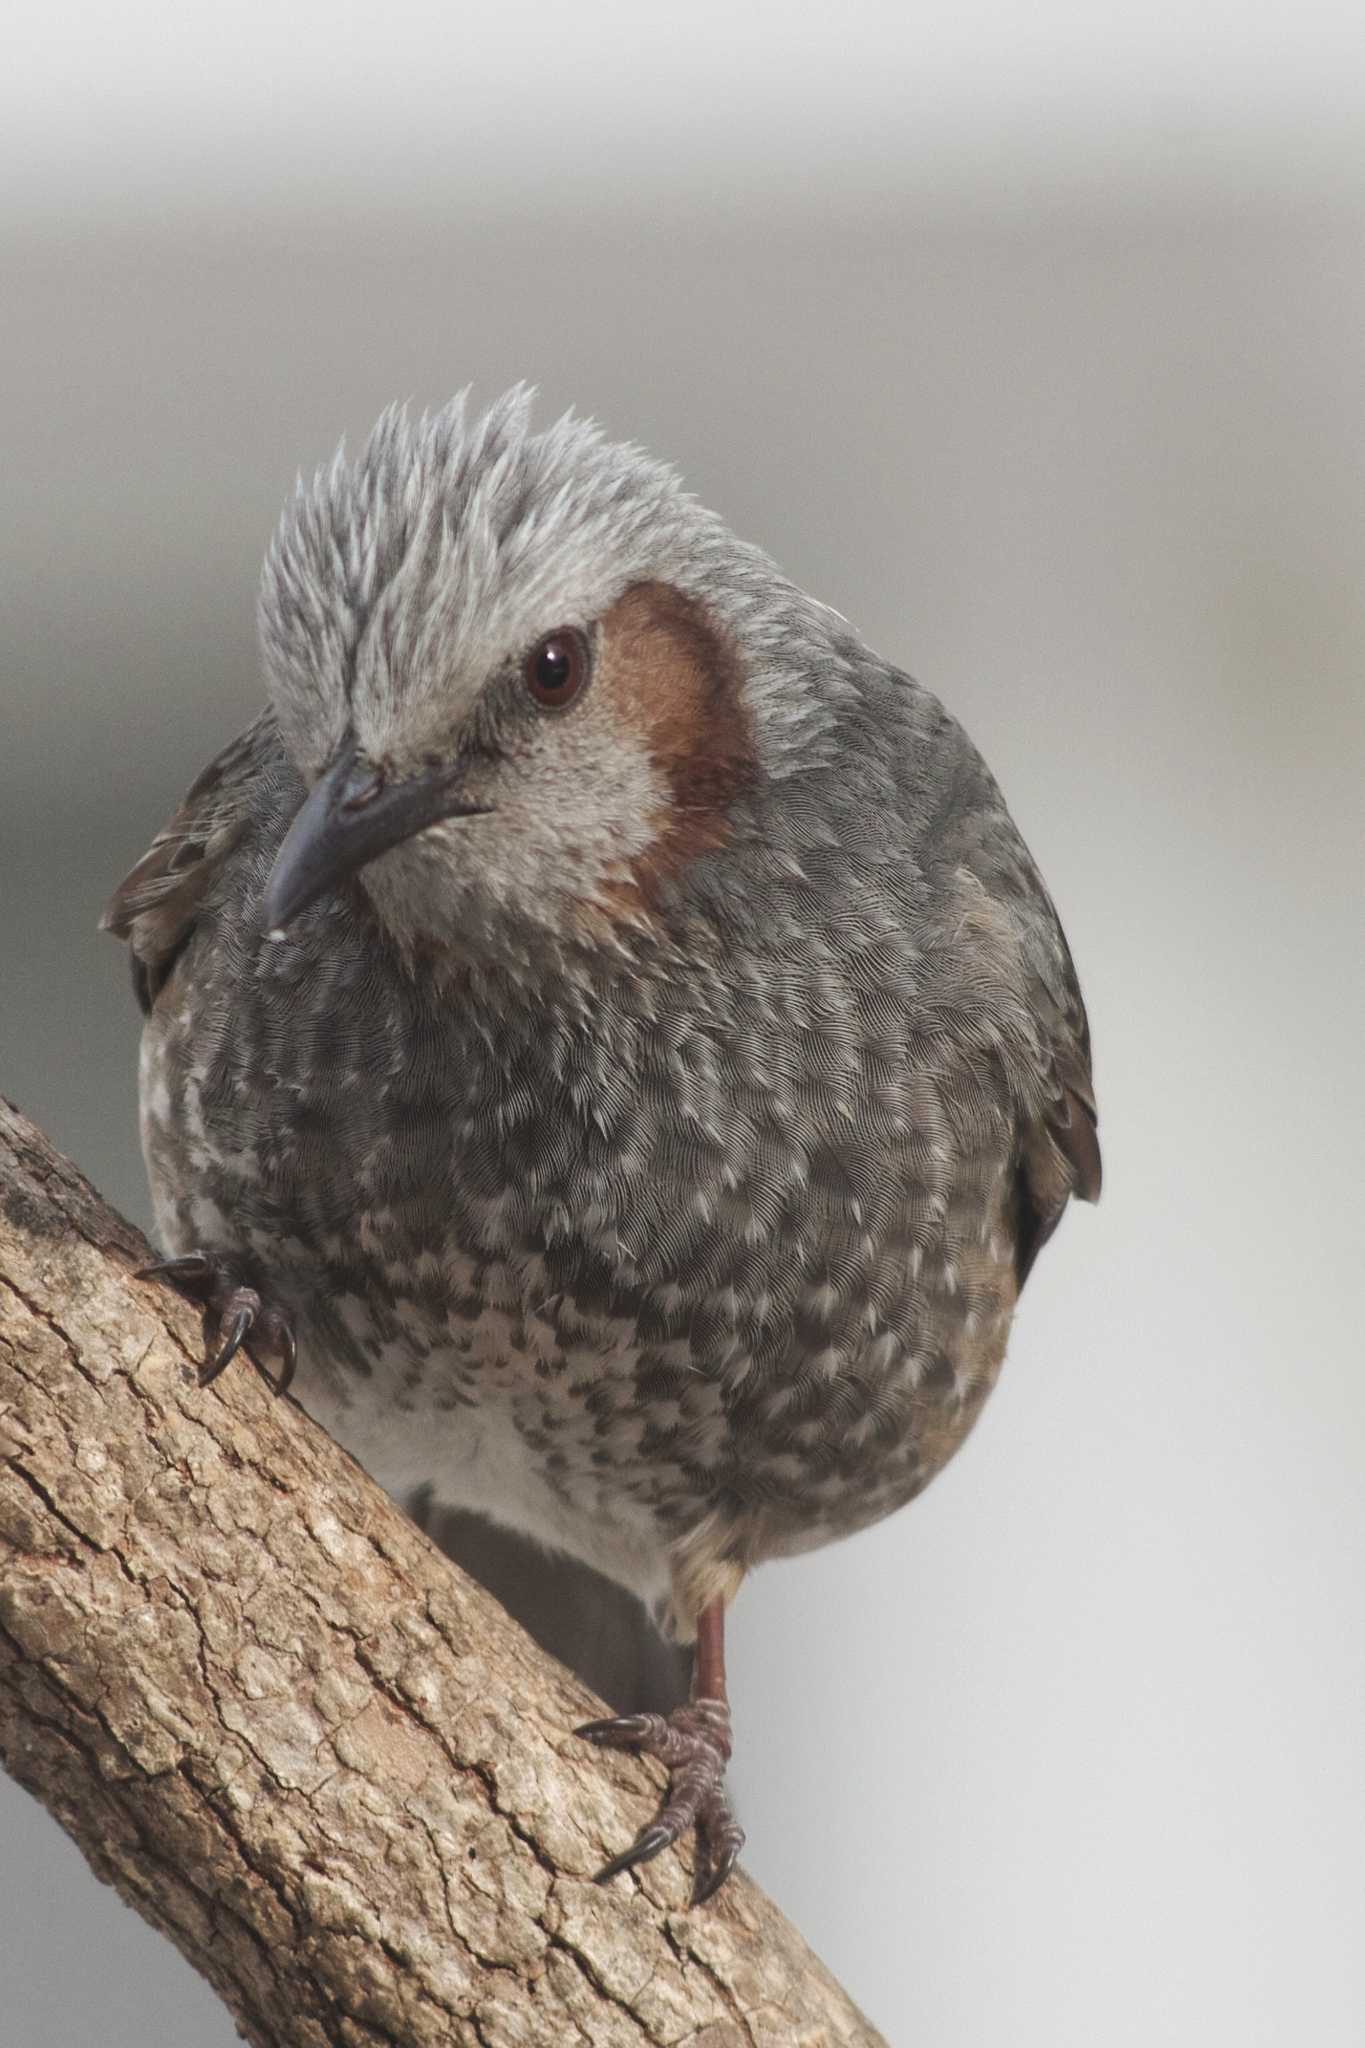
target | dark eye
[{"x": 557, "y": 668}]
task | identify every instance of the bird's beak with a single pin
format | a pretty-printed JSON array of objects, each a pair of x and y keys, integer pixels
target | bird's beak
[{"x": 349, "y": 815}]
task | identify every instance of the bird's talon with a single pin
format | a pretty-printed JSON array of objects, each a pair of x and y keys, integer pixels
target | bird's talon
[
  {"x": 243, "y": 1320},
  {"x": 288, "y": 1348},
  {"x": 719, "y": 1841},
  {"x": 694, "y": 1741},
  {"x": 620, "y": 1731},
  {"x": 234, "y": 1314},
  {"x": 643, "y": 1849},
  {"x": 193, "y": 1269}
]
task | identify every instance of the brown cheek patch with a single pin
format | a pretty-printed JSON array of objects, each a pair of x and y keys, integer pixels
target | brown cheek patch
[{"x": 674, "y": 683}]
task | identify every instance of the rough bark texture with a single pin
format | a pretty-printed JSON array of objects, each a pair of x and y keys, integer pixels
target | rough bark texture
[{"x": 296, "y": 1738}]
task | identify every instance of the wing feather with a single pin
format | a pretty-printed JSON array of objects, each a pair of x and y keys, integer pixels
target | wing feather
[
  {"x": 155, "y": 905},
  {"x": 1060, "y": 1154}
]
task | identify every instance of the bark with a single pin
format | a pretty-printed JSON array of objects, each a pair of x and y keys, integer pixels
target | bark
[{"x": 297, "y": 1739}]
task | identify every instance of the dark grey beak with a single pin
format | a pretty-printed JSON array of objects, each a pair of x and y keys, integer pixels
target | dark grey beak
[{"x": 349, "y": 815}]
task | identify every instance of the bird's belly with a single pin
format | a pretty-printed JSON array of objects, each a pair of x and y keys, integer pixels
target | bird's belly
[
  {"x": 784, "y": 1394},
  {"x": 477, "y": 1456}
]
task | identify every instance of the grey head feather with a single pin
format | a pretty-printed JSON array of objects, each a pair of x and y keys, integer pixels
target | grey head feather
[{"x": 397, "y": 581}]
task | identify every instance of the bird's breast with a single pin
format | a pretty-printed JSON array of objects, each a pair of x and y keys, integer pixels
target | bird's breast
[{"x": 601, "y": 1271}]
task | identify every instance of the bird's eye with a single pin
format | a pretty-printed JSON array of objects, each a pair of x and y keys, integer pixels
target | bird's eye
[{"x": 557, "y": 668}]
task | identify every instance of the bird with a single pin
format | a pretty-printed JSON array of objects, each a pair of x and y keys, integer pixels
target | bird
[{"x": 604, "y": 1034}]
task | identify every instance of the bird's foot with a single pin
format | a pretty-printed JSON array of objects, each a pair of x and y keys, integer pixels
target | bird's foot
[
  {"x": 694, "y": 1741},
  {"x": 234, "y": 1314}
]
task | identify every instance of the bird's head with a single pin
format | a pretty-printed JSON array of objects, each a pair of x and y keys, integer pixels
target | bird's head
[{"x": 527, "y": 678}]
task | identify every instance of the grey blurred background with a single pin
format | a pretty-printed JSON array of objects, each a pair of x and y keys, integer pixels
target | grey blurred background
[{"x": 1034, "y": 341}]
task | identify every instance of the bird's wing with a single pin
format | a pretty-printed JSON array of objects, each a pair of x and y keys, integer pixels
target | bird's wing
[
  {"x": 1060, "y": 1154},
  {"x": 155, "y": 906},
  {"x": 1002, "y": 911}
]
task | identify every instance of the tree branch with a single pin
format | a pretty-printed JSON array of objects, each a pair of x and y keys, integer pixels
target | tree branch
[{"x": 304, "y": 1745}]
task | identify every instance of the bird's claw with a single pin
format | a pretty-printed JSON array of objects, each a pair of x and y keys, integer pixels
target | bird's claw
[
  {"x": 235, "y": 1321},
  {"x": 621, "y": 1731},
  {"x": 192, "y": 1270},
  {"x": 658, "y": 1835},
  {"x": 234, "y": 1314},
  {"x": 694, "y": 1741}
]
